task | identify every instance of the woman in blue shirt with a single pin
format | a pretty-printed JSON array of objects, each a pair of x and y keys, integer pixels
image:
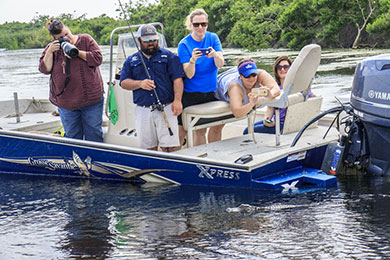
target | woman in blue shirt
[{"x": 201, "y": 55}]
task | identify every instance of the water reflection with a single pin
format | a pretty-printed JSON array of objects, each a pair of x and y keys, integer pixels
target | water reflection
[
  {"x": 59, "y": 218},
  {"x": 87, "y": 234}
]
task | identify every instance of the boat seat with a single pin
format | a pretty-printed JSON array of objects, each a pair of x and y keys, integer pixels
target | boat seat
[
  {"x": 296, "y": 89},
  {"x": 297, "y": 115},
  {"x": 123, "y": 132},
  {"x": 206, "y": 115}
]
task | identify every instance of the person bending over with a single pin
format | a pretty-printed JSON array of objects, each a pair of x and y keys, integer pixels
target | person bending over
[{"x": 241, "y": 87}]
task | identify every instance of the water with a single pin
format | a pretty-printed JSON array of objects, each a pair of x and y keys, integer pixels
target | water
[
  {"x": 63, "y": 218},
  {"x": 19, "y": 71},
  {"x": 59, "y": 218}
]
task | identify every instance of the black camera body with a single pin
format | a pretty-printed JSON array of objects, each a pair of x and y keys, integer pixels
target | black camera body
[{"x": 68, "y": 48}]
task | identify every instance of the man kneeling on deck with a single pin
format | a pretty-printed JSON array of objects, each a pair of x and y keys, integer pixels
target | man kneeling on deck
[{"x": 156, "y": 122}]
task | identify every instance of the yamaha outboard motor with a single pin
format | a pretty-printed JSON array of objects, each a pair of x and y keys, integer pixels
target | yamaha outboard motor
[{"x": 368, "y": 144}]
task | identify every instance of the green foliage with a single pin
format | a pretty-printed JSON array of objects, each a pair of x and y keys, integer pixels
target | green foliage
[
  {"x": 381, "y": 24},
  {"x": 249, "y": 24}
]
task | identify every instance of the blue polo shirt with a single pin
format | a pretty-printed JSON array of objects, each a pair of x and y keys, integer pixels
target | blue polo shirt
[{"x": 164, "y": 67}]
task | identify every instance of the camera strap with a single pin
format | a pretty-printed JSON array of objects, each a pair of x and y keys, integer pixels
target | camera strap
[{"x": 67, "y": 79}]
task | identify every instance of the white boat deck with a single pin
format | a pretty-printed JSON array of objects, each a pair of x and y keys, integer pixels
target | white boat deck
[
  {"x": 264, "y": 150},
  {"x": 34, "y": 115}
]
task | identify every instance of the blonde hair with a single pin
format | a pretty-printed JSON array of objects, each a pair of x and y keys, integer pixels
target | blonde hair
[{"x": 190, "y": 17}]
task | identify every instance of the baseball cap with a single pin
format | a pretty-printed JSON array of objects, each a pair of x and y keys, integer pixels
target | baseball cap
[
  {"x": 147, "y": 32},
  {"x": 247, "y": 68}
]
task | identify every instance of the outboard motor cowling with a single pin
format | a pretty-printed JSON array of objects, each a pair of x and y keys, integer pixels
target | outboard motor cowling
[{"x": 370, "y": 99}]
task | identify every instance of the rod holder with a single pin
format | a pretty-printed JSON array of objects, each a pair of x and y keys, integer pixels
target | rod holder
[{"x": 16, "y": 103}]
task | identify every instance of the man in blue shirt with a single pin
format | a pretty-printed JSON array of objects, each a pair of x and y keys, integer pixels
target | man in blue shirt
[{"x": 166, "y": 79}]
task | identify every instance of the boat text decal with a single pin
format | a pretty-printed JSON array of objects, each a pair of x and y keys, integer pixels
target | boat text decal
[
  {"x": 211, "y": 173},
  {"x": 296, "y": 156},
  {"x": 76, "y": 165}
]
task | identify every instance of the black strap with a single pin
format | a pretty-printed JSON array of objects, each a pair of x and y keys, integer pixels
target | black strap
[{"x": 67, "y": 79}]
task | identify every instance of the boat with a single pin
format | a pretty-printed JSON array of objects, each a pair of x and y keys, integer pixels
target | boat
[{"x": 254, "y": 161}]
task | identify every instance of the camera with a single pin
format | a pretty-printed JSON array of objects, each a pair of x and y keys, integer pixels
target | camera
[{"x": 68, "y": 48}]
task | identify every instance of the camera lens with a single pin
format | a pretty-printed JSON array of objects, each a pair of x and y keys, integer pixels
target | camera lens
[{"x": 69, "y": 49}]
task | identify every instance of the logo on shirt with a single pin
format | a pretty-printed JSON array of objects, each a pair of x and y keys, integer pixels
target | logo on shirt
[
  {"x": 135, "y": 58},
  {"x": 164, "y": 56}
]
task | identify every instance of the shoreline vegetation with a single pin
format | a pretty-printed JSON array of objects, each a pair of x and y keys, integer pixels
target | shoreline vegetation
[{"x": 247, "y": 24}]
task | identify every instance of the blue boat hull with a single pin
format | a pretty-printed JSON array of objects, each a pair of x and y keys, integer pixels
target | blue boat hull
[{"x": 22, "y": 153}]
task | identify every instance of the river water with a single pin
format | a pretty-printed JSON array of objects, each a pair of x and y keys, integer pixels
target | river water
[{"x": 61, "y": 218}]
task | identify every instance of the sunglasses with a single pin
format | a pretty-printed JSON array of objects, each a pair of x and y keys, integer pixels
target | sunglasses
[
  {"x": 250, "y": 76},
  {"x": 285, "y": 67},
  {"x": 53, "y": 26},
  {"x": 149, "y": 41},
  {"x": 198, "y": 24}
]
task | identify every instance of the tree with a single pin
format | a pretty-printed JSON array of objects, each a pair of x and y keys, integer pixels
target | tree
[
  {"x": 300, "y": 23},
  {"x": 381, "y": 23},
  {"x": 366, "y": 9}
]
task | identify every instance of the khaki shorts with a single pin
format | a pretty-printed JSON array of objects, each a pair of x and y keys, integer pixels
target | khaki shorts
[{"x": 152, "y": 130}]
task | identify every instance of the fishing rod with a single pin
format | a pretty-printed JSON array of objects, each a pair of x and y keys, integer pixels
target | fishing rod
[{"x": 159, "y": 106}]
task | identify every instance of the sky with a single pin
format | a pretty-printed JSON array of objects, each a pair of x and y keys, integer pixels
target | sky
[{"x": 26, "y": 10}]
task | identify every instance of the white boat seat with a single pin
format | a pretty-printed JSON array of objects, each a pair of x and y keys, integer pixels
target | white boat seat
[
  {"x": 207, "y": 115},
  {"x": 124, "y": 131},
  {"x": 296, "y": 88},
  {"x": 299, "y": 114}
]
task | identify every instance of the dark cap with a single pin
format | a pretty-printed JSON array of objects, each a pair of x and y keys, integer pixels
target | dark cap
[{"x": 147, "y": 32}]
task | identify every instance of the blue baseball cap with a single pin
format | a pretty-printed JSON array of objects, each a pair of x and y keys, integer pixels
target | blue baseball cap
[{"x": 247, "y": 68}]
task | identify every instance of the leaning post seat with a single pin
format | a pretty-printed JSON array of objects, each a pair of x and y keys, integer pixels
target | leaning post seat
[
  {"x": 295, "y": 90},
  {"x": 296, "y": 87},
  {"x": 124, "y": 132},
  {"x": 206, "y": 115}
]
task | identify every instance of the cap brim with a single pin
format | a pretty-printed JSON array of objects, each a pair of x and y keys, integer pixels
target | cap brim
[
  {"x": 149, "y": 37},
  {"x": 249, "y": 72}
]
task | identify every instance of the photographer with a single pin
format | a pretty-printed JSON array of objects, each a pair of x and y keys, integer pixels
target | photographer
[{"x": 76, "y": 85}]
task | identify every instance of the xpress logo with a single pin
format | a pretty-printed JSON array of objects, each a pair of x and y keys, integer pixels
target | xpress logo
[{"x": 211, "y": 173}]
